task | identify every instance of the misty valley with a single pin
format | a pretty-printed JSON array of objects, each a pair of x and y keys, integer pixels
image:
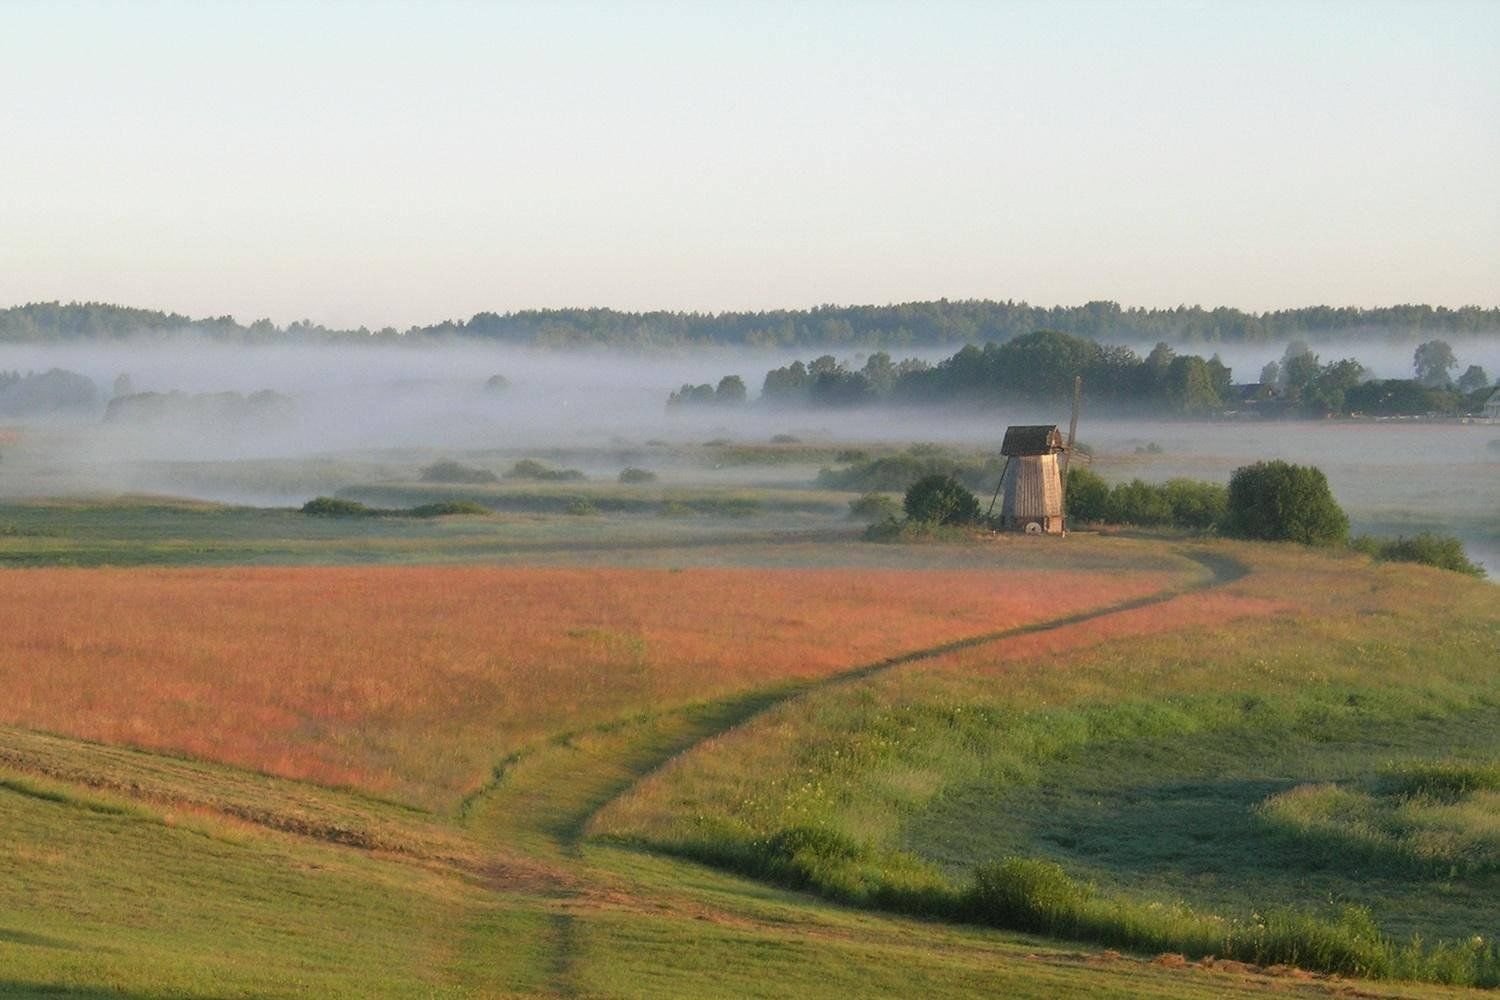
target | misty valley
[{"x": 277, "y": 425}]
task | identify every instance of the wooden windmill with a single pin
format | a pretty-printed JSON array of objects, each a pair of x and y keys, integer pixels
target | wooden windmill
[{"x": 1036, "y": 469}]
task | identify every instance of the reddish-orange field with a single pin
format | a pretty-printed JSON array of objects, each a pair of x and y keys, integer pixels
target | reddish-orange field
[
  {"x": 1202, "y": 609},
  {"x": 412, "y": 681}
]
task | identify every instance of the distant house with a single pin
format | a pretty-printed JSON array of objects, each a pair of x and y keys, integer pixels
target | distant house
[{"x": 1492, "y": 405}]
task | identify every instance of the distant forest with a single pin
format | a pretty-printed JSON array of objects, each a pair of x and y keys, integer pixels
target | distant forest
[
  {"x": 1040, "y": 368},
  {"x": 912, "y": 324}
]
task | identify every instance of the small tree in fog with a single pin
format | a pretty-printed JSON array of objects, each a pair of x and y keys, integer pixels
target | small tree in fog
[
  {"x": 1277, "y": 501},
  {"x": 1087, "y": 496},
  {"x": 1472, "y": 380},
  {"x": 731, "y": 390},
  {"x": 940, "y": 499},
  {"x": 1432, "y": 362}
]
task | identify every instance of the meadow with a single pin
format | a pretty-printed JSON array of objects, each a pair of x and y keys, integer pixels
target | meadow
[
  {"x": 1159, "y": 758},
  {"x": 249, "y": 752},
  {"x": 411, "y": 682}
]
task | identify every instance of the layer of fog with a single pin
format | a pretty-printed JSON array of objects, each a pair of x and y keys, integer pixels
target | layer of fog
[{"x": 375, "y": 412}]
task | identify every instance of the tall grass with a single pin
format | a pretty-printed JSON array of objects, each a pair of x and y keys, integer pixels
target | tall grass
[
  {"x": 1441, "y": 817},
  {"x": 410, "y": 681}
]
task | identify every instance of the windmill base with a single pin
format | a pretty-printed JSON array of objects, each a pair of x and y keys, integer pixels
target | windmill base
[{"x": 1033, "y": 525}]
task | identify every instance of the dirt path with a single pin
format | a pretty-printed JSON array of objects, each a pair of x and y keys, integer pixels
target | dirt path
[{"x": 542, "y": 799}]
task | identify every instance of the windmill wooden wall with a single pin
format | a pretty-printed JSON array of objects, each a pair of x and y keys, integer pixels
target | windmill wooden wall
[{"x": 1031, "y": 486}]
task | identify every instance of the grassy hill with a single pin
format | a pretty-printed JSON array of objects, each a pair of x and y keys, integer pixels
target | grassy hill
[{"x": 1195, "y": 734}]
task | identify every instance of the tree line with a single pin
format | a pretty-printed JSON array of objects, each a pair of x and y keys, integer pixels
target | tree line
[
  {"x": 908, "y": 324},
  {"x": 1039, "y": 368}
]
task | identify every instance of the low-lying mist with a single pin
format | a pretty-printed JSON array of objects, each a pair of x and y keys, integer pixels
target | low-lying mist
[{"x": 281, "y": 422}]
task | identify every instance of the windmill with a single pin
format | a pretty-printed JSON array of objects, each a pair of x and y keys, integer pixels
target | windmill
[{"x": 1036, "y": 467}]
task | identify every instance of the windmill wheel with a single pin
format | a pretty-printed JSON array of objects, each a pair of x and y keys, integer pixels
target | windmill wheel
[{"x": 1033, "y": 528}]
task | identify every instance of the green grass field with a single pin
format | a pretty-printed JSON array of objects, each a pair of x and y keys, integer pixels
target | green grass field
[{"x": 1273, "y": 737}]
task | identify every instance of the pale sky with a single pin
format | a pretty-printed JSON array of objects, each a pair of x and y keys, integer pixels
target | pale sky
[{"x": 402, "y": 163}]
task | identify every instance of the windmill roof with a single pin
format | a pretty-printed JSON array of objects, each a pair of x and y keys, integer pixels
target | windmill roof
[{"x": 1032, "y": 439}]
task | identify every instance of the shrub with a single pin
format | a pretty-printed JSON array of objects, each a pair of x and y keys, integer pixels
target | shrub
[
  {"x": 1087, "y": 495},
  {"x": 1443, "y": 780},
  {"x": 785, "y": 439},
  {"x": 1024, "y": 894},
  {"x": 1182, "y": 503},
  {"x": 814, "y": 857},
  {"x": 1277, "y": 501},
  {"x": 940, "y": 499},
  {"x": 634, "y": 475},
  {"x": 1442, "y": 551},
  {"x": 448, "y": 471},
  {"x": 448, "y": 508},
  {"x": 873, "y": 507},
  {"x": 582, "y": 507},
  {"x": 530, "y": 468},
  {"x": 892, "y": 473},
  {"x": 1138, "y": 503},
  {"x": 334, "y": 507},
  {"x": 1196, "y": 504}
]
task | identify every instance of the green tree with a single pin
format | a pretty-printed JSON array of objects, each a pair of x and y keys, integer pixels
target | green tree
[
  {"x": 731, "y": 390},
  {"x": 1299, "y": 369},
  {"x": 785, "y": 385},
  {"x": 1472, "y": 380},
  {"x": 1327, "y": 392},
  {"x": 1432, "y": 362},
  {"x": 692, "y": 395},
  {"x": 1277, "y": 501},
  {"x": 880, "y": 373},
  {"x": 940, "y": 499},
  {"x": 1087, "y": 495},
  {"x": 1196, "y": 504},
  {"x": 1190, "y": 386},
  {"x": 1138, "y": 502}
]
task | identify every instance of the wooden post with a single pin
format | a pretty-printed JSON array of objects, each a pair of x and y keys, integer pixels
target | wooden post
[{"x": 1068, "y": 449}]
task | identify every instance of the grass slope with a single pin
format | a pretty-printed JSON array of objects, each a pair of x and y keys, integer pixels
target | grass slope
[
  {"x": 1132, "y": 752},
  {"x": 131, "y": 873}
]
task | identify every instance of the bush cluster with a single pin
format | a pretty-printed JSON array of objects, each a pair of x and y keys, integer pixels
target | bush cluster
[
  {"x": 894, "y": 473},
  {"x": 940, "y": 500},
  {"x": 1037, "y": 896},
  {"x": 1178, "y": 503},
  {"x": 1281, "y": 502},
  {"x": 530, "y": 468},
  {"x": 873, "y": 507},
  {"x": 1427, "y": 548},
  {"x": 449, "y": 471},
  {"x": 339, "y": 507}
]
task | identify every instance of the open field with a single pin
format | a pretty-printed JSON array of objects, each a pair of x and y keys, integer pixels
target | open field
[
  {"x": 490, "y": 780},
  {"x": 413, "y": 681},
  {"x": 1143, "y": 765}
]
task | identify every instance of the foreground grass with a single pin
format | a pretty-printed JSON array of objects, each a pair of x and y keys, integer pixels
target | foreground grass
[
  {"x": 513, "y": 896},
  {"x": 885, "y": 793},
  {"x": 105, "y": 895}
]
